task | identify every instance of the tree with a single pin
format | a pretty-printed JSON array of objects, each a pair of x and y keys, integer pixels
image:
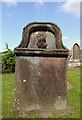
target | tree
[
  {"x": 8, "y": 61},
  {"x": 6, "y": 46}
]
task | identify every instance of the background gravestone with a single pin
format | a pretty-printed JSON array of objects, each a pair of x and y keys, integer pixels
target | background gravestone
[
  {"x": 75, "y": 56},
  {"x": 76, "y": 52},
  {"x": 41, "y": 62}
]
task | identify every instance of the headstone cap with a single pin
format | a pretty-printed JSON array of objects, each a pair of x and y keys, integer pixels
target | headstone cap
[{"x": 37, "y": 36}]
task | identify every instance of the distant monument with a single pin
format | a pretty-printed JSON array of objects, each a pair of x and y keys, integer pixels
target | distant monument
[
  {"x": 75, "y": 56},
  {"x": 76, "y": 52}
]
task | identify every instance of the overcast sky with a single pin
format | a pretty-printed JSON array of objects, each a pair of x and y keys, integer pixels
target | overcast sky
[{"x": 16, "y": 15}]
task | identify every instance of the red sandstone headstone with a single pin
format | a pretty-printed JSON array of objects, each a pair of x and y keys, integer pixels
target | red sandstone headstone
[{"x": 41, "y": 61}]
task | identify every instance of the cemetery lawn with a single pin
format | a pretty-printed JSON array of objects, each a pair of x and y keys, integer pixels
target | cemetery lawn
[{"x": 73, "y": 97}]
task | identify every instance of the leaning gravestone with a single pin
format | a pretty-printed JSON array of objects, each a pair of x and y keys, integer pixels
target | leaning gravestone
[
  {"x": 41, "y": 62},
  {"x": 76, "y": 52}
]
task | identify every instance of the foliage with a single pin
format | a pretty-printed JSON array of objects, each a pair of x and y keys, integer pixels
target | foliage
[{"x": 8, "y": 61}]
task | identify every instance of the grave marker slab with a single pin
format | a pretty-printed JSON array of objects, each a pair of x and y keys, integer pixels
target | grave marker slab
[
  {"x": 41, "y": 61},
  {"x": 76, "y": 52}
]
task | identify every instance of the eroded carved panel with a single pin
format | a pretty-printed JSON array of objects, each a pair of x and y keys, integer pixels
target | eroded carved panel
[{"x": 42, "y": 40}]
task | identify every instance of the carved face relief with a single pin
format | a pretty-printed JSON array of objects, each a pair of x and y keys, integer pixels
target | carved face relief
[{"x": 41, "y": 41}]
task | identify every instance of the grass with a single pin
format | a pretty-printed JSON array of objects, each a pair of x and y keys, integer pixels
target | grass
[
  {"x": 8, "y": 95},
  {"x": 73, "y": 96}
]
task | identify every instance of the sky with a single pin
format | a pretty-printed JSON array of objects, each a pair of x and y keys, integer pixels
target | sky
[{"x": 15, "y": 15}]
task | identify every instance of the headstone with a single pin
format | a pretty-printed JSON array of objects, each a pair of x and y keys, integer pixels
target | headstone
[
  {"x": 75, "y": 59},
  {"x": 76, "y": 52},
  {"x": 41, "y": 61}
]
